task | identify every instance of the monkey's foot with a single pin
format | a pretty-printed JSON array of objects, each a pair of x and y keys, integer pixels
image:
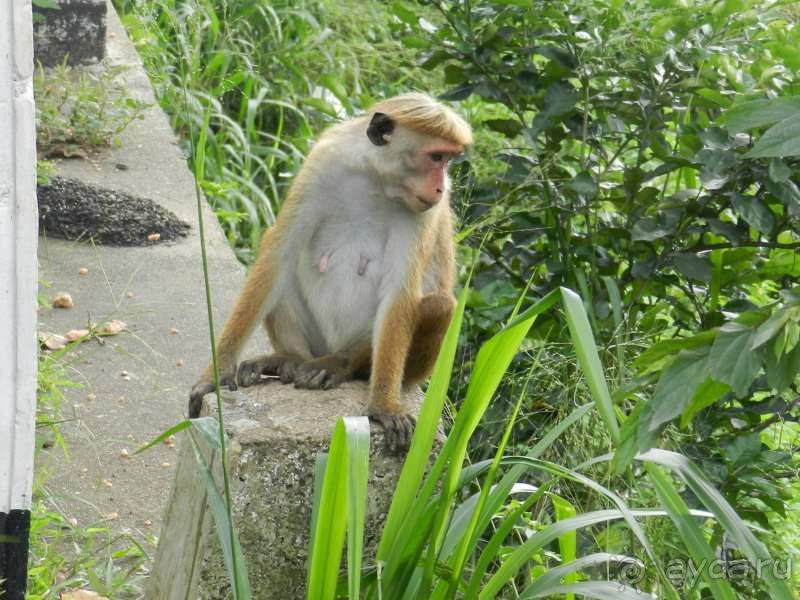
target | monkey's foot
[
  {"x": 323, "y": 373},
  {"x": 203, "y": 387},
  {"x": 397, "y": 429},
  {"x": 282, "y": 365}
]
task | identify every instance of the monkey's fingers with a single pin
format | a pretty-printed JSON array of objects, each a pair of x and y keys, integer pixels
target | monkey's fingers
[
  {"x": 319, "y": 375},
  {"x": 250, "y": 372},
  {"x": 397, "y": 430}
]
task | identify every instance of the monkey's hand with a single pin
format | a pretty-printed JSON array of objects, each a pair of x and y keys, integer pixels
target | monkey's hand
[
  {"x": 227, "y": 377},
  {"x": 397, "y": 429}
]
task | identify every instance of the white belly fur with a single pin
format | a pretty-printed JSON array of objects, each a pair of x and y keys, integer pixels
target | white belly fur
[{"x": 345, "y": 267}]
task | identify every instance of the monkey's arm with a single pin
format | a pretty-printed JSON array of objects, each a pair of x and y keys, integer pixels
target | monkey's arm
[
  {"x": 392, "y": 344},
  {"x": 247, "y": 312}
]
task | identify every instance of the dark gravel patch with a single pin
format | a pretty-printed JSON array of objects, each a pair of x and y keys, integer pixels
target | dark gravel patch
[{"x": 71, "y": 209}]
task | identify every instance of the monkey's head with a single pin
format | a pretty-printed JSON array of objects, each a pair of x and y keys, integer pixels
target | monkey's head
[{"x": 414, "y": 139}]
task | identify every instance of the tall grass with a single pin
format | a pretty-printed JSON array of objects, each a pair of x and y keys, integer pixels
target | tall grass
[{"x": 481, "y": 531}]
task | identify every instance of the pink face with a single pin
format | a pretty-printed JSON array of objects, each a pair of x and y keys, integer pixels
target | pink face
[{"x": 429, "y": 183}]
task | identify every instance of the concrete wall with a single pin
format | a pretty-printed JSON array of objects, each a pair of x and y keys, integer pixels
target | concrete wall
[{"x": 18, "y": 237}]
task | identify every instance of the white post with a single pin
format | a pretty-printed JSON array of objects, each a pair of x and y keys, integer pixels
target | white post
[{"x": 18, "y": 238}]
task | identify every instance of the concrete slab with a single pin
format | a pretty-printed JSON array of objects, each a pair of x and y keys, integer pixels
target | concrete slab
[
  {"x": 74, "y": 32},
  {"x": 140, "y": 379}
]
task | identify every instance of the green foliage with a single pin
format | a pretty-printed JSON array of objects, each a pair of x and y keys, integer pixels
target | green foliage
[
  {"x": 430, "y": 545},
  {"x": 78, "y": 110}
]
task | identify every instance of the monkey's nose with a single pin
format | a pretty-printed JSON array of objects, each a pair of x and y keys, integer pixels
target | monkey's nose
[{"x": 438, "y": 191}]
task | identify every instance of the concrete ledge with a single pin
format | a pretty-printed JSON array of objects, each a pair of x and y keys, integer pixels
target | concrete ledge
[
  {"x": 76, "y": 32},
  {"x": 276, "y": 435}
]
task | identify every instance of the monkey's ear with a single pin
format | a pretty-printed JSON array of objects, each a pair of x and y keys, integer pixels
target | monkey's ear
[{"x": 380, "y": 126}]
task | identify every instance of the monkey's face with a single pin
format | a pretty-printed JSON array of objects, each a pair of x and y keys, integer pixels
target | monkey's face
[
  {"x": 412, "y": 165},
  {"x": 426, "y": 179}
]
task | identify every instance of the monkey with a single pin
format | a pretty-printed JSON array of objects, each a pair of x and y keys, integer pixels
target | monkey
[{"x": 355, "y": 278}]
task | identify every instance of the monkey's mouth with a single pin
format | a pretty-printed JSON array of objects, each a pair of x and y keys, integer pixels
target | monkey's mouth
[{"x": 426, "y": 204}]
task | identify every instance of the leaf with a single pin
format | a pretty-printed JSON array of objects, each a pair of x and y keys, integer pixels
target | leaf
[
  {"x": 744, "y": 448},
  {"x": 508, "y": 127},
  {"x": 694, "y": 266},
  {"x": 787, "y": 193},
  {"x": 675, "y": 389},
  {"x": 779, "y": 171},
  {"x": 650, "y": 229},
  {"x": 586, "y": 351},
  {"x": 713, "y": 500},
  {"x": 165, "y": 434},
  {"x": 780, "y": 140},
  {"x": 559, "y": 99},
  {"x": 707, "y": 393},
  {"x": 757, "y": 214},
  {"x": 666, "y": 347},
  {"x": 584, "y": 184},
  {"x": 340, "y": 506},
  {"x": 772, "y": 326},
  {"x": 405, "y": 14},
  {"x": 758, "y": 113},
  {"x": 732, "y": 361},
  {"x": 551, "y": 579},
  {"x": 226, "y": 530},
  {"x": 48, "y": 4},
  {"x": 691, "y": 534}
]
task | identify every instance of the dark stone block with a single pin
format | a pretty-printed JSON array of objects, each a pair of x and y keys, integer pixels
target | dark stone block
[{"x": 76, "y": 31}]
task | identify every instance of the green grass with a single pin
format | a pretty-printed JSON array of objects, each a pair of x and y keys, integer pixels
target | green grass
[
  {"x": 81, "y": 110},
  {"x": 67, "y": 554}
]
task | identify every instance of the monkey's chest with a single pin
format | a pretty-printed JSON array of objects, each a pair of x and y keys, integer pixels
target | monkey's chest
[{"x": 340, "y": 276}]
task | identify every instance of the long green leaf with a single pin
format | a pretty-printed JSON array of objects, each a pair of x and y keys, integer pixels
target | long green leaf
[
  {"x": 690, "y": 533},
  {"x": 358, "y": 473},
  {"x": 226, "y": 532},
  {"x": 713, "y": 500},
  {"x": 334, "y": 511},
  {"x": 586, "y": 351},
  {"x": 424, "y": 434},
  {"x": 602, "y": 590},
  {"x": 567, "y": 543},
  {"x": 491, "y": 364},
  {"x": 549, "y": 581}
]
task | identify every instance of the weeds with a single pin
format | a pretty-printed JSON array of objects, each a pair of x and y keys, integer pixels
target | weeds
[
  {"x": 79, "y": 110},
  {"x": 66, "y": 554}
]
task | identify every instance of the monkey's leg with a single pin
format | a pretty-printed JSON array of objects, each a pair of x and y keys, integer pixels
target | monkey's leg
[
  {"x": 329, "y": 371},
  {"x": 434, "y": 313},
  {"x": 243, "y": 319}
]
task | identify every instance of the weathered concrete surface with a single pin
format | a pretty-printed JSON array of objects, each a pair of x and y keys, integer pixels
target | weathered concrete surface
[
  {"x": 76, "y": 32},
  {"x": 153, "y": 289},
  {"x": 275, "y": 439}
]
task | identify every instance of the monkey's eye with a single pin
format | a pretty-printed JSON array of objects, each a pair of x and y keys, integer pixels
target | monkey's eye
[{"x": 437, "y": 156}]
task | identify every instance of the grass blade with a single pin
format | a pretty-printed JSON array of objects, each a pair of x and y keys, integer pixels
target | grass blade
[
  {"x": 549, "y": 581},
  {"x": 229, "y": 541},
  {"x": 586, "y": 351},
  {"x": 712, "y": 499},
  {"x": 689, "y": 531},
  {"x": 339, "y": 507},
  {"x": 422, "y": 442},
  {"x": 602, "y": 590}
]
